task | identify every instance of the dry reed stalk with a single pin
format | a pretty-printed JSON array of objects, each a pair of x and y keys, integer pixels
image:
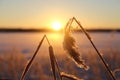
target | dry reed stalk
[
  {"x": 89, "y": 38},
  {"x": 52, "y": 60},
  {"x": 54, "y": 63},
  {"x": 69, "y": 45},
  {"x": 68, "y": 25},
  {"x": 30, "y": 62},
  {"x": 69, "y": 76}
]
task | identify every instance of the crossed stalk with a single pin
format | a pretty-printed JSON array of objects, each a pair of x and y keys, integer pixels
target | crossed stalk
[
  {"x": 53, "y": 61},
  {"x": 68, "y": 26}
]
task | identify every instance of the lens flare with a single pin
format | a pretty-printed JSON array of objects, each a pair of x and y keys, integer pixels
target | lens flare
[{"x": 56, "y": 26}]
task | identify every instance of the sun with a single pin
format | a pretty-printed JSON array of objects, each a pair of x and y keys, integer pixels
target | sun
[{"x": 56, "y": 26}]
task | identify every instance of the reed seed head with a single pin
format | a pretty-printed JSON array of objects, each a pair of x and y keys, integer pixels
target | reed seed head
[{"x": 69, "y": 45}]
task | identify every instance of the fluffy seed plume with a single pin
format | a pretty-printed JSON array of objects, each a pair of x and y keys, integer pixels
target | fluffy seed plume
[{"x": 70, "y": 46}]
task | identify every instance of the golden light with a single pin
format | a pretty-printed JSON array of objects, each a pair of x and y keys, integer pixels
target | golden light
[{"x": 56, "y": 26}]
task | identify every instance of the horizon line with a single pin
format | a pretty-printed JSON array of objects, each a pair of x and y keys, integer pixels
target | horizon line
[{"x": 50, "y": 30}]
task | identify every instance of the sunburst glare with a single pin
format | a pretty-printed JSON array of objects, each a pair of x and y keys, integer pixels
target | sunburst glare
[{"x": 56, "y": 26}]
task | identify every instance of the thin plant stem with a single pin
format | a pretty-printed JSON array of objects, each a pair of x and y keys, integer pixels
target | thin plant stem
[
  {"x": 52, "y": 57},
  {"x": 69, "y": 76},
  {"x": 30, "y": 62},
  {"x": 54, "y": 62},
  {"x": 52, "y": 53},
  {"x": 68, "y": 25},
  {"x": 58, "y": 69},
  {"x": 47, "y": 40},
  {"x": 108, "y": 69}
]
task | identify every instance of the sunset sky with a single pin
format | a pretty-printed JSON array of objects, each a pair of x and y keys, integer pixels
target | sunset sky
[{"x": 42, "y": 13}]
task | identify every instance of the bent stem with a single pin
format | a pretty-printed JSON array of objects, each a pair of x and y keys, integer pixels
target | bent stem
[
  {"x": 30, "y": 62},
  {"x": 70, "y": 76},
  {"x": 89, "y": 38},
  {"x": 52, "y": 58}
]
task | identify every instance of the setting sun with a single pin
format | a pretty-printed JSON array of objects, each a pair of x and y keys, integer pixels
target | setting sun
[{"x": 56, "y": 26}]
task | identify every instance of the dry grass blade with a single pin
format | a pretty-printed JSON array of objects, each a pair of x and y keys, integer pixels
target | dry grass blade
[
  {"x": 68, "y": 25},
  {"x": 52, "y": 61},
  {"x": 89, "y": 38},
  {"x": 70, "y": 47},
  {"x": 30, "y": 62},
  {"x": 69, "y": 76}
]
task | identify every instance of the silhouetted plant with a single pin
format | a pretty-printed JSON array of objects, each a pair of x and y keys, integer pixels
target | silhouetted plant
[
  {"x": 68, "y": 30},
  {"x": 31, "y": 60},
  {"x": 52, "y": 60},
  {"x": 72, "y": 50}
]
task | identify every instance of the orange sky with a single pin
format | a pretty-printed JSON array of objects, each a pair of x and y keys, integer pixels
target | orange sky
[{"x": 42, "y": 13}]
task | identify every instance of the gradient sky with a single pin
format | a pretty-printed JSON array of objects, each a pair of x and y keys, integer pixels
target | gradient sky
[{"x": 41, "y": 13}]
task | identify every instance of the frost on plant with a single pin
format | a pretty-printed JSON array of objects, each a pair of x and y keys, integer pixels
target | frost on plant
[{"x": 70, "y": 47}]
